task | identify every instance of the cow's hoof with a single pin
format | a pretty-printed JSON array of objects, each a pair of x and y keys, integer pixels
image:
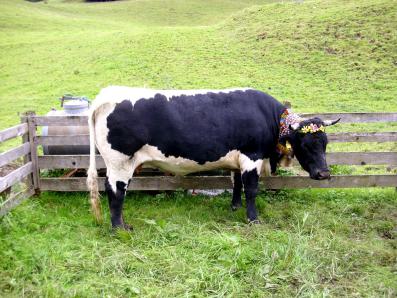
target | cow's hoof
[
  {"x": 123, "y": 226},
  {"x": 236, "y": 207},
  {"x": 128, "y": 227},
  {"x": 254, "y": 222}
]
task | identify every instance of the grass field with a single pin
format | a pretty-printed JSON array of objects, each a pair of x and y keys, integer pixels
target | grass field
[{"x": 321, "y": 55}]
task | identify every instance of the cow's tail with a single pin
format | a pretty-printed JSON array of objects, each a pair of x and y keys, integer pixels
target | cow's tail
[{"x": 92, "y": 182}]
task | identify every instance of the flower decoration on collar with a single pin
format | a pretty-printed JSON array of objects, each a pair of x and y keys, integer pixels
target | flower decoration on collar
[
  {"x": 312, "y": 128},
  {"x": 288, "y": 118}
]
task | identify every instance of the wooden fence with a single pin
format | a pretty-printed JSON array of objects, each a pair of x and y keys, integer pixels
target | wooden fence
[
  {"x": 33, "y": 162},
  {"x": 25, "y": 171}
]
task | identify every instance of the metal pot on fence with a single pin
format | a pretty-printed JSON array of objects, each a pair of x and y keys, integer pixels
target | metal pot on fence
[{"x": 71, "y": 105}]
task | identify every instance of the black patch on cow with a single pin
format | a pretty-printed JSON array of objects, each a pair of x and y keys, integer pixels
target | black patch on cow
[{"x": 202, "y": 127}]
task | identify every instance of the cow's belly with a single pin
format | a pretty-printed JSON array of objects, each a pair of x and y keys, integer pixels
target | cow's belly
[{"x": 150, "y": 156}]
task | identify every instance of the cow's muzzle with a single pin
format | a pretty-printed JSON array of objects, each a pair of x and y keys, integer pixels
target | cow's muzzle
[{"x": 321, "y": 175}]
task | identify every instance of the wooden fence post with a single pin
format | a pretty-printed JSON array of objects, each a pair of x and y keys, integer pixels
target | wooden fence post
[
  {"x": 33, "y": 151},
  {"x": 27, "y": 158}
]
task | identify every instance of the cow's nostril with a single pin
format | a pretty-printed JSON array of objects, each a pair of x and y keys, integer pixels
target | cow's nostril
[{"x": 324, "y": 174}]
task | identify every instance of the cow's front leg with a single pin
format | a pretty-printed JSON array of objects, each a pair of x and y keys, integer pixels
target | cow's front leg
[
  {"x": 237, "y": 186},
  {"x": 116, "y": 200},
  {"x": 250, "y": 182}
]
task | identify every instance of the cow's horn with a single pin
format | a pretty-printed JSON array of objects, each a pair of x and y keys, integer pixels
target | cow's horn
[{"x": 331, "y": 122}]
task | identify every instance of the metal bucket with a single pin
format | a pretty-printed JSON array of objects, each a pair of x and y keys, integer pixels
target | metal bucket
[{"x": 71, "y": 106}]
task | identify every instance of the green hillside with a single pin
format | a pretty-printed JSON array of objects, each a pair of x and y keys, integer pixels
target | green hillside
[{"x": 328, "y": 56}]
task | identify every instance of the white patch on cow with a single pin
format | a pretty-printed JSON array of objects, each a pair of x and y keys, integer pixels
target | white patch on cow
[
  {"x": 151, "y": 156},
  {"x": 119, "y": 167},
  {"x": 247, "y": 164},
  {"x": 116, "y": 94}
]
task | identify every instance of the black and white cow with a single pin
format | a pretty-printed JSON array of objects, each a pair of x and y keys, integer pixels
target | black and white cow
[{"x": 186, "y": 131}]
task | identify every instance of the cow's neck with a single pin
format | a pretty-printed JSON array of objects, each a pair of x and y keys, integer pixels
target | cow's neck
[{"x": 288, "y": 118}]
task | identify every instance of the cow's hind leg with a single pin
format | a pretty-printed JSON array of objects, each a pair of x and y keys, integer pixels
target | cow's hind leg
[
  {"x": 118, "y": 177},
  {"x": 250, "y": 170},
  {"x": 116, "y": 201},
  {"x": 250, "y": 181},
  {"x": 237, "y": 187}
]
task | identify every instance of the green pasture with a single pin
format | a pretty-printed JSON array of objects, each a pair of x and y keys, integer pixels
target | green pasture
[{"x": 323, "y": 56}]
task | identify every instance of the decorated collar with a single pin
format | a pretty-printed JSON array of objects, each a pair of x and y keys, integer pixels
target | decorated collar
[{"x": 288, "y": 118}]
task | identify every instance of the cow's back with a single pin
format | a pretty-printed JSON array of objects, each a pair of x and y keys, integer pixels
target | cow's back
[{"x": 197, "y": 125}]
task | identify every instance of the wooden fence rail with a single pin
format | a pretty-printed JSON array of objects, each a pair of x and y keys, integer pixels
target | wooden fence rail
[
  {"x": 33, "y": 162},
  {"x": 16, "y": 199},
  {"x": 15, "y": 176},
  {"x": 380, "y": 137},
  {"x": 355, "y": 117},
  {"x": 224, "y": 182},
  {"x": 333, "y": 158},
  {"x": 13, "y": 132},
  {"x": 341, "y": 137},
  {"x": 13, "y": 154},
  {"x": 345, "y": 118}
]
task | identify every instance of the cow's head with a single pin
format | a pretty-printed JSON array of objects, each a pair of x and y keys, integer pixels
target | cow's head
[{"x": 309, "y": 142}]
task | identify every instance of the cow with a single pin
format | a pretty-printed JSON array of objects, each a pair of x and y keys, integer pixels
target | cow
[{"x": 187, "y": 131}]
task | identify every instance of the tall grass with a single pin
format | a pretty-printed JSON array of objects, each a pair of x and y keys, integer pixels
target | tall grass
[{"x": 311, "y": 243}]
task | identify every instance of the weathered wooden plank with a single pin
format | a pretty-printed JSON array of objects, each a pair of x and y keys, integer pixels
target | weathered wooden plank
[
  {"x": 75, "y": 140},
  {"x": 69, "y": 162},
  {"x": 224, "y": 182},
  {"x": 362, "y": 158},
  {"x": 355, "y": 117},
  {"x": 15, "y": 176},
  {"x": 33, "y": 151},
  {"x": 359, "y": 158},
  {"x": 15, "y": 200},
  {"x": 342, "y": 137},
  {"x": 346, "y": 118},
  {"x": 333, "y": 158},
  {"x": 12, "y": 132},
  {"x": 332, "y": 137},
  {"x": 79, "y": 140},
  {"x": 14, "y": 153},
  {"x": 61, "y": 120},
  {"x": 142, "y": 183},
  {"x": 342, "y": 181},
  {"x": 27, "y": 158}
]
